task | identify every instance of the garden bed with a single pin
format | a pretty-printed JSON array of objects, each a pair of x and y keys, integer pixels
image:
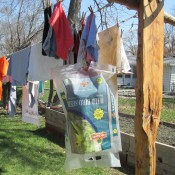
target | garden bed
[
  {"x": 166, "y": 131},
  {"x": 165, "y": 155}
]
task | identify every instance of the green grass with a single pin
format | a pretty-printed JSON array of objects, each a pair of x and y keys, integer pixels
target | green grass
[
  {"x": 127, "y": 106},
  {"x": 27, "y": 150}
]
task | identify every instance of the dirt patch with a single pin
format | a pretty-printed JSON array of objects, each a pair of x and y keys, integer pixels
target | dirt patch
[{"x": 166, "y": 132}]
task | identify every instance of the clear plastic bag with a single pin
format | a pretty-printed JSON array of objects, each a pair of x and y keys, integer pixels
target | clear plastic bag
[{"x": 92, "y": 126}]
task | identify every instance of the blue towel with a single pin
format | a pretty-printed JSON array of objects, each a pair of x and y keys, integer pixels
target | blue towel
[{"x": 18, "y": 67}]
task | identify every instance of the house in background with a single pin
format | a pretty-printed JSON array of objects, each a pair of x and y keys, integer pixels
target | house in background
[
  {"x": 169, "y": 75},
  {"x": 129, "y": 80}
]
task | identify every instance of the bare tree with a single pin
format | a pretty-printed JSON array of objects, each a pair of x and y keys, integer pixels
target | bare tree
[
  {"x": 22, "y": 20},
  {"x": 21, "y": 24},
  {"x": 169, "y": 41},
  {"x": 131, "y": 43},
  {"x": 74, "y": 10}
]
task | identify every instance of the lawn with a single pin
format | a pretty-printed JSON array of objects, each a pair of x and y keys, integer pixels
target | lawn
[
  {"x": 127, "y": 106},
  {"x": 27, "y": 150}
]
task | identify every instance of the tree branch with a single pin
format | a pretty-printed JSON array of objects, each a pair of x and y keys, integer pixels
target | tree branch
[{"x": 134, "y": 5}]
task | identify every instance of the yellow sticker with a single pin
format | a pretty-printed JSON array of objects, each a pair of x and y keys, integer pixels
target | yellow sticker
[{"x": 98, "y": 114}]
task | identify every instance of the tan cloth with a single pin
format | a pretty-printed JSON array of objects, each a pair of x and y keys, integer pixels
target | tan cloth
[
  {"x": 111, "y": 51},
  {"x": 109, "y": 44}
]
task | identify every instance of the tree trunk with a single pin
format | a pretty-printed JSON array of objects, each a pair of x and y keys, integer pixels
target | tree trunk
[
  {"x": 74, "y": 9},
  {"x": 149, "y": 84}
]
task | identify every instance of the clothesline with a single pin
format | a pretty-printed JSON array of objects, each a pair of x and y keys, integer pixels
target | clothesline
[
  {"x": 134, "y": 16},
  {"x": 105, "y": 6}
]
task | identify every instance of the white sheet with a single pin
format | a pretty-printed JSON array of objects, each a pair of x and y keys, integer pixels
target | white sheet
[{"x": 39, "y": 65}]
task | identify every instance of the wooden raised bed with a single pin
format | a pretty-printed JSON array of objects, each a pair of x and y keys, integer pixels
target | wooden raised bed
[
  {"x": 165, "y": 155},
  {"x": 55, "y": 122}
]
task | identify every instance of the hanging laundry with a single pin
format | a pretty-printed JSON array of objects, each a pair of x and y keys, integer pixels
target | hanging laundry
[
  {"x": 3, "y": 71},
  {"x": 78, "y": 37},
  {"x": 5, "y": 94},
  {"x": 111, "y": 49},
  {"x": 93, "y": 134},
  {"x": 125, "y": 67},
  {"x": 89, "y": 37},
  {"x": 88, "y": 50},
  {"x": 18, "y": 70},
  {"x": 72, "y": 57},
  {"x": 6, "y": 90},
  {"x": 47, "y": 15},
  {"x": 12, "y": 101},
  {"x": 41, "y": 88},
  {"x": 18, "y": 67},
  {"x": 30, "y": 111},
  {"x": 32, "y": 93},
  {"x": 49, "y": 45},
  {"x": 6, "y": 79},
  {"x": 62, "y": 30},
  {"x": 39, "y": 65},
  {"x": 77, "y": 44}
]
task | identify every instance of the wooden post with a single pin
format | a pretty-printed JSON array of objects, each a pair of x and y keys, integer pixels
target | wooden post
[{"x": 149, "y": 84}]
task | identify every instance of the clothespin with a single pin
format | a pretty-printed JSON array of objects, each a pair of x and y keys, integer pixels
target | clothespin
[
  {"x": 90, "y": 9},
  {"x": 83, "y": 15},
  {"x": 82, "y": 21}
]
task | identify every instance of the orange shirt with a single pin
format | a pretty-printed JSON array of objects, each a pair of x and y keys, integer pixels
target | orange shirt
[{"x": 3, "y": 71}]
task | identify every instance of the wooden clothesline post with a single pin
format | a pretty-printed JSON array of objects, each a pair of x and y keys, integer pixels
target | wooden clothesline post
[
  {"x": 149, "y": 84},
  {"x": 149, "y": 79}
]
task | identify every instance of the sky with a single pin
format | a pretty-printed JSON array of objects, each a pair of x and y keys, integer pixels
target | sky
[
  {"x": 169, "y": 5},
  {"x": 123, "y": 13}
]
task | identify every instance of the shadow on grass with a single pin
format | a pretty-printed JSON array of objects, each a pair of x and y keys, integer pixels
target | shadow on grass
[
  {"x": 33, "y": 156},
  {"x": 3, "y": 113},
  {"x": 61, "y": 142},
  {"x": 126, "y": 170},
  {"x": 6, "y": 114},
  {"x": 57, "y": 139},
  {"x": 2, "y": 170}
]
